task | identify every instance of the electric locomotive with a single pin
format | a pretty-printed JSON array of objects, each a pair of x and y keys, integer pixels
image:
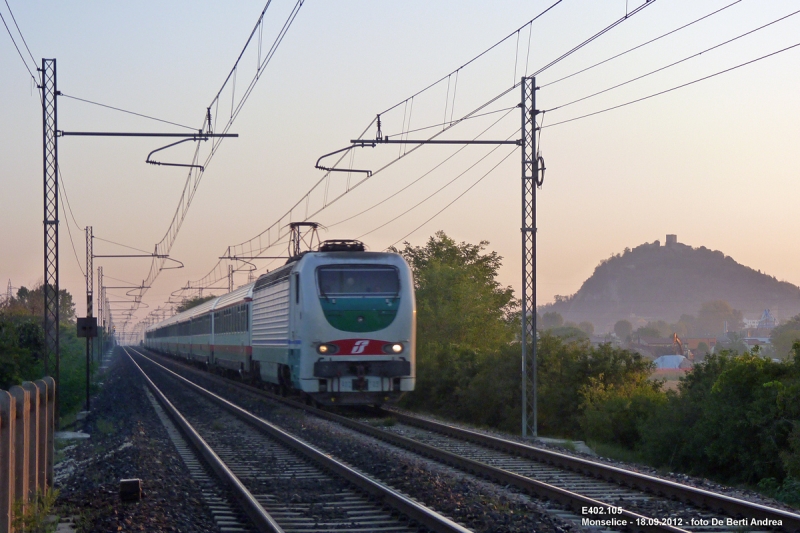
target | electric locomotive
[{"x": 337, "y": 325}]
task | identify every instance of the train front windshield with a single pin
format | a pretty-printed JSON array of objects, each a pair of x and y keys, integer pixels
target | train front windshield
[{"x": 353, "y": 280}]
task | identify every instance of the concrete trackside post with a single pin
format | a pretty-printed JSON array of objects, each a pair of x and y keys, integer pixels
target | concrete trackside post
[
  {"x": 36, "y": 443},
  {"x": 49, "y": 412},
  {"x": 22, "y": 403},
  {"x": 7, "y": 418}
]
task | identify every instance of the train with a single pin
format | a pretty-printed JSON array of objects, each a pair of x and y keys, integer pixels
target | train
[{"x": 336, "y": 325}]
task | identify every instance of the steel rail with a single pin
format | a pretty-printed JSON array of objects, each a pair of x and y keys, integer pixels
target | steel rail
[
  {"x": 701, "y": 498},
  {"x": 661, "y": 487},
  {"x": 261, "y": 519},
  {"x": 413, "y": 510},
  {"x": 635, "y": 522}
]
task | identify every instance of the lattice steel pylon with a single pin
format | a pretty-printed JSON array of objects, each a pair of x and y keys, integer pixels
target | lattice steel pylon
[
  {"x": 50, "y": 154},
  {"x": 530, "y": 182}
]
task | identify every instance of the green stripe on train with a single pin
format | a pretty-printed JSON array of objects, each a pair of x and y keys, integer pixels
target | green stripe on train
[{"x": 360, "y": 314}]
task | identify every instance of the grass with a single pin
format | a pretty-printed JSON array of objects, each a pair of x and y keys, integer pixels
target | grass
[
  {"x": 617, "y": 453},
  {"x": 382, "y": 422},
  {"x": 566, "y": 445},
  {"x": 788, "y": 492},
  {"x": 36, "y": 515},
  {"x": 105, "y": 426}
]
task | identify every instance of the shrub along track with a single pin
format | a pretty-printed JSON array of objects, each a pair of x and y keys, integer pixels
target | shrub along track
[{"x": 612, "y": 494}]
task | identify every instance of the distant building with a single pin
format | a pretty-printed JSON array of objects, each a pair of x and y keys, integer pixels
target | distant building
[
  {"x": 760, "y": 327},
  {"x": 694, "y": 342},
  {"x": 767, "y": 321},
  {"x": 672, "y": 362}
]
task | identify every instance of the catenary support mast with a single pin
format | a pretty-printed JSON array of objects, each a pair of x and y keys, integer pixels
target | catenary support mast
[
  {"x": 530, "y": 182},
  {"x": 51, "y": 286}
]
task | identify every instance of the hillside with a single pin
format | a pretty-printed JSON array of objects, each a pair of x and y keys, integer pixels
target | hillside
[{"x": 658, "y": 282}]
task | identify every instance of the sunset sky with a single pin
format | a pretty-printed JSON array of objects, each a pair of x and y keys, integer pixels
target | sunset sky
[{"x": 715, "y": 162}]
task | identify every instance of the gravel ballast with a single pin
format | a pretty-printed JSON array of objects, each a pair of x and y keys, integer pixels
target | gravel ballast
[{"x": 126, "y": 440}]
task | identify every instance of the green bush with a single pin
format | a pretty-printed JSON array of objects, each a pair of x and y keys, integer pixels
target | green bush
[
  {"x": 734, "y": 418},
  {"x": 614, "y": 414},
  {"x": 22, "y": 348}
]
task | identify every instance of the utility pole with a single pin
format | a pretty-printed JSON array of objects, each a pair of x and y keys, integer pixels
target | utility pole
[
  {"x": 530, "y": 182},
  {"x": 100, "y": 316},
  {"x": 89, "y": 310},
  {"x": 50, "y": 160},
  {"x": 230, "y": 278}
]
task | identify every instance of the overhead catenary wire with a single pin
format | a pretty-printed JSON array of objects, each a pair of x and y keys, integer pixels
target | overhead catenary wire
[
  {"x": 13, "y": 18},
  {"x": 594, "y": 37},
  {"x": 674, "y": 63},
  {"x": 195, "y": 175},
  {"x": 24, "y": 61},
  {"x": 681, "y": 86},
  {"x": 452, "y": 201},
  {"x": 437, "y": 191},
  {"x": 495, "y": 45},
  {"x": 63, "y": 187},
  {"x": 74, "y": 251},
  {"x": 542, "y": 86},
  {"x": 424, "y": 175},
  {"x": 261, "y": 248}
]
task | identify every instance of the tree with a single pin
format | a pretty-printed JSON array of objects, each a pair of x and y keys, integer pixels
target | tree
[
  {"x": 459, "y": 300},
  {"x": 686, "y": 326},
  {"x": 623, "y": 329},
  {"x": 463, "y": 315},
  {"x": 649, "y": 331},
  {"x": 713, "y": 317},
  {"x": 586, "y": 327},
  {"x": 785, "y": 335},
  {"x": 552, "y": 320},
  {"x": 31, "y": 302},
  {"x": 194, "y": 302}
]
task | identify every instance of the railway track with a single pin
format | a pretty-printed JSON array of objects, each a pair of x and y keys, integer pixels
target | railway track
[
  {"x": 597, "y": 495},
  {"x": 282, "y": 483}
]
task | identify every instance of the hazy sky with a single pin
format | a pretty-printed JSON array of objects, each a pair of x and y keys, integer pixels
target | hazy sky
[{"x": 715, "y": 163}]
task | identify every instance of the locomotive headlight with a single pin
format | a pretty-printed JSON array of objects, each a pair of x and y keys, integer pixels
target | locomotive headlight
[
  {"x": 327, "y": 349},
  {"x": 393, "y": 348}
]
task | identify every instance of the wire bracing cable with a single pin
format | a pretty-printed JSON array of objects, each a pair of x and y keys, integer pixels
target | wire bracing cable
[{"x": 126, "y": 111}]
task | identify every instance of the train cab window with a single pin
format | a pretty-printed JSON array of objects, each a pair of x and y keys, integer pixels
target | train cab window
[{"x": 358, "y": 280}]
